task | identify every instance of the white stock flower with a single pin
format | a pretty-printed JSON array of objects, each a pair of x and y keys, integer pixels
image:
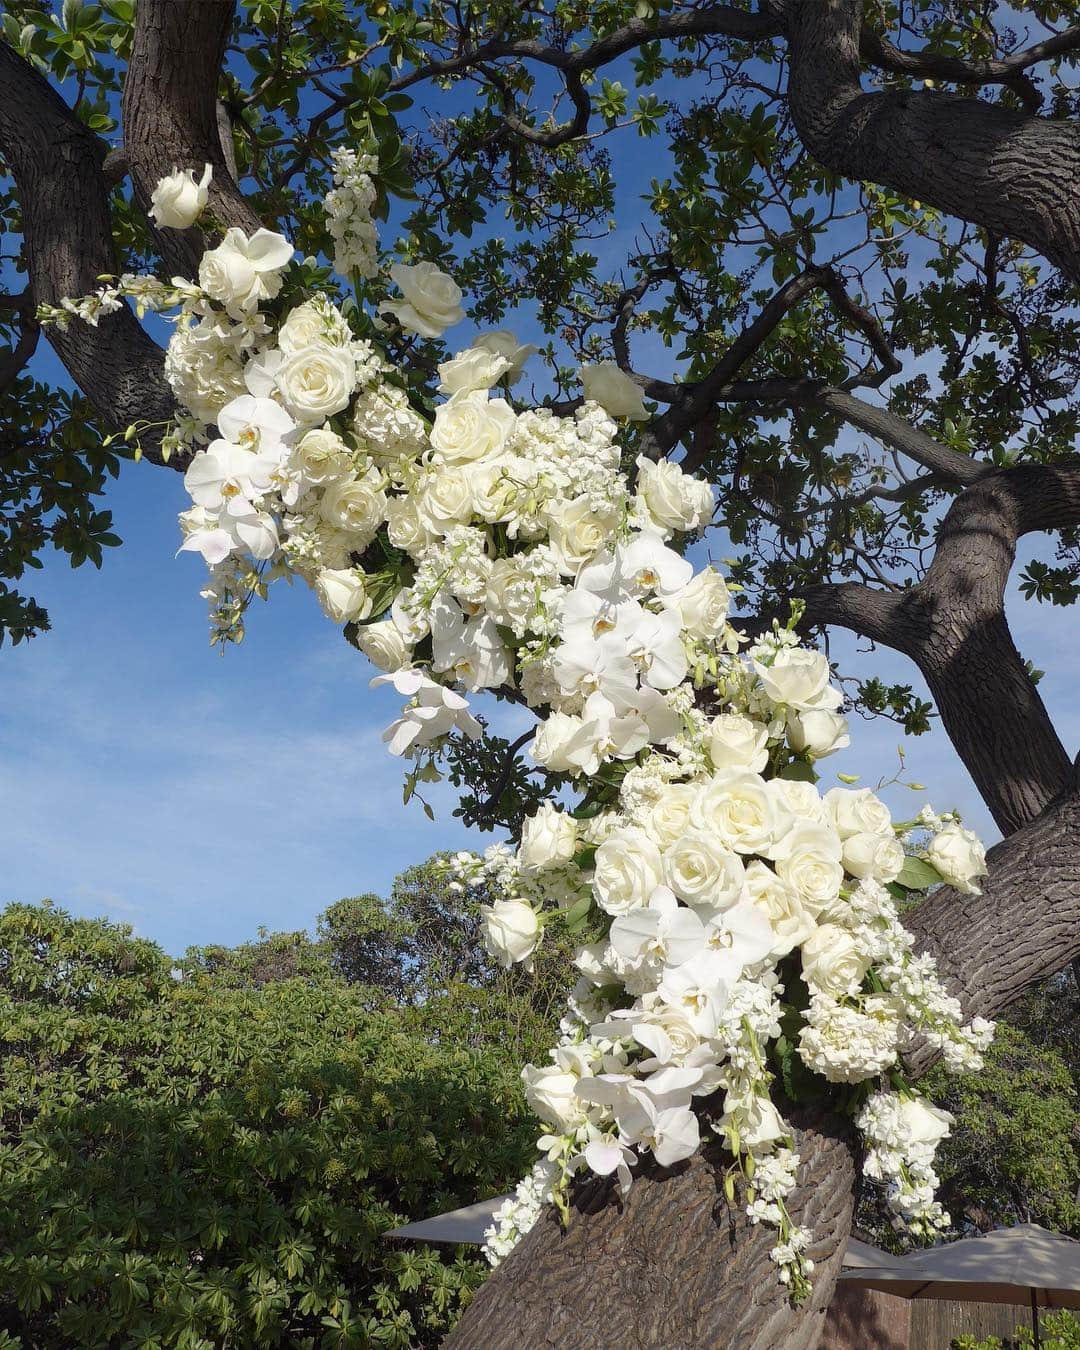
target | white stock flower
[
  {"x": 316, "y": 381},
  {"x": 471, "y": 426},
  {"x": 673, "y": 499},
  {"x": 959, "y": 856},
  {"x": 505, "y": 344},
  {"x": 548, "y": 839},
  {"x": 432, "y": 300},
  {"x": 832, "y": 961},
  {"x": 241, "y": 272},
  {"x": 627, "y": 870},
  {"x": 604, "y": 383},
  {"x": 511, "y": 931},
  {"x": 179, "y": 198},
  {"x": 472, "y": 370},
  {"x": 342, "y": 594},
  {"x": 737, "y": 742}
]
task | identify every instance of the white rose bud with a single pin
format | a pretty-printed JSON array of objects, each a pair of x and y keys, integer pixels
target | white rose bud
[
  {"x": 472, "y": 370},
  {"x": 703, "y": 604},
  {"x": 511, "y": 931},
  {"x": 549, "y": 1090},
  {"x": 505, "y": 344},
  {"x": 342, "y": 594},
  {"x": 432, "y": 299},
  {"x": 737, "y": 742},
  {"x": 384, "y": 645},
  {"x": 548, "y": 839},
  {"x": 817, "y": 732},
  {"x": 757, "y": 1121},
  {"x": 831, "y": 961},
  {"x": 316, "y": 381},
  {"x": 959, "y": 856},
  {"x": 878, "y": 856},
  {"x": 178, "y": 200},
  {"x": 615, "y": 391},
  {"x": 673, "y": 499},
  {"x": 670, "y": 817},
  {"x": 577, "y": 533},
  {"x": 313, "y": 323},
  {"x": 924, "y": 1123}
]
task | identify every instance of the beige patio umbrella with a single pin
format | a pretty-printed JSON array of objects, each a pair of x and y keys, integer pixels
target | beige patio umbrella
[{"x": 1024, "y": 1264}]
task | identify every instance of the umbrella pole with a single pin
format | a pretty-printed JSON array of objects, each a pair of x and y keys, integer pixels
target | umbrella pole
[{"x": 1035, "y": 1319}]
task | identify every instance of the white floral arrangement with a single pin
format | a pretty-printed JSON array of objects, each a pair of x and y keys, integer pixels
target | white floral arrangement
[{"x": 745, "y": 944}]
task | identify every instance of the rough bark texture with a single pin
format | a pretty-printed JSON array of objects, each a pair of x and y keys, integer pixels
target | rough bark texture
[
  {"x": 674, "y": 1267},
  {"x": 1014, "y": 174}
]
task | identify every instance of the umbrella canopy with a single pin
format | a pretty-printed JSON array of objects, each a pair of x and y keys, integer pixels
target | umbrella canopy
[
  {"x": 1010, "y": 1265},
  {"x": 861, "y": 1256},
  {"x": 459, "y": 1225}
]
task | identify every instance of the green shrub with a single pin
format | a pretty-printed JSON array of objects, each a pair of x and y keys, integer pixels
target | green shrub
[
  {"x": 195, "y": 1162},
  {"x": 1057, "y": 1331}
]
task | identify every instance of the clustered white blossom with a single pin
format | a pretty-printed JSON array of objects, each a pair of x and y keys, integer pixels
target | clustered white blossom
[
  {"x": 348, "y": 213},
  {"x": 743, "y": 924}
]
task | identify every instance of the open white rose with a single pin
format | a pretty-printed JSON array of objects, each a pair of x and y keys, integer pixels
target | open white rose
[
  {"x": 615, "y": 391},
  {"x": 472, "y": 370},
  {"x": 924, "y": 1123},
  {"x": 511, "y": 931},
  {"x": 241, "y": 272},
  {"x": 503, "y": 343},
  {"x": 322, "y": 457},
  {"x": 179, "y": 198},
  {"x": 446, "y": 500},
  {"x": 959, "y": 856},
  {"x": 405, "y": 528},
  {"x": 312, "y": 323},
  {"x": 548, "y": 839},
  {"x": 316, "y": 381},
  {"x": 701, "y": 871},
  {"x": 670, "y": 817},
  {"x": 384, "y": 645},
  {"x": 789, "y": 920},
  {"x": 737, "y": 742},
  {"x": 628, "y": 870},
  {"x": 798, "y": 678},
  {"x": 577, "y": 532},
  {"x": 741, "y": 811},
  {"x": 832, "y": 962},
  {"x": 879, "y": 856},
  {"x": 471, "y": 426},
  {"x": 356, "y": 505},
  {"x": 858, "y": 810},
  {"x": 342, "y": 594},
  {"x": 817, "y": 732},
  {"x": 673, "y": 499},
  {"x": 703, "y": 604},
  {"x": 809, "y": 861},
  {"x": 432, "y": 299}
]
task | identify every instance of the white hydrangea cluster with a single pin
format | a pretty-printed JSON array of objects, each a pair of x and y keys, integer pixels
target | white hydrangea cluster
[
  {"x": 348, "y": 213},
  {"x": 743, "y": 926}
]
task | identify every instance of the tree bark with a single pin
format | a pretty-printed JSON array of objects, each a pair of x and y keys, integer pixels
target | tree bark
[
  {"x": 674, "y": 1268},
  {"x": 1014, "y": 174}
]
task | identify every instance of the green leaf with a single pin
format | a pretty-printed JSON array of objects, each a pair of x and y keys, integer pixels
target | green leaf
[{"x": 917, "y": 874}]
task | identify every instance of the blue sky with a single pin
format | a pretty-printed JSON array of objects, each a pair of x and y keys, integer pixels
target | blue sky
[{"x": 146, "y": 777}]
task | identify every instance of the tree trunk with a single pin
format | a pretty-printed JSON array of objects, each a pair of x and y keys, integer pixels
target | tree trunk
[{"x": 674, "y": 1268}]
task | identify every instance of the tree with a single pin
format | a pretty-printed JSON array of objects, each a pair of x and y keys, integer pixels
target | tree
[{"x": 809, "y": 250}]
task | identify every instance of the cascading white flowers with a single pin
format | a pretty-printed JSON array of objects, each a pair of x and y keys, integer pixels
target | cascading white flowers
[{"x": 745, "y": 942}]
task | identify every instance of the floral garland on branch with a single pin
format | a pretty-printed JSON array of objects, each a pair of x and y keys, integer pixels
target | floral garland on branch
[{"x": 743, "y": 930}]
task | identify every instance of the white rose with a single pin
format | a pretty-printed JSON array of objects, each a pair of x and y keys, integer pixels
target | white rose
[
  {"x": 240, "y": 271},
  {"x": 317, "y": 381},
  {"x": 445, "y": 500},
  {"x": 798, "y": 678},
  {"x": 817, "y": 732},
  {"x": 342, "y": 594},
  {"x": 616, "y": 392},
  {"x": 703, "y": 604},
  {"x": 802, "y": 799},
  {"x": 809, "y": 862},
  {"x": 322, "y": 457},
  {"x": 674, "y": 500},
  {"x": 505, "y": 344},
  {"x": 738, "y": 807},
  {"x": 577, "y": 533},
  {"x": 548, "y": 839},
  {"x": 313, "y": 323},
  {"x": 511, "y": 931},
  {"x": 404, "y": 526},
  {"x": 355, "y": 505},
  {"x": 959, "y": 856},
  {"x": 628, "y": 870},
  {"x": 879, "y": 856},
  {"x": 790, "y": 921},
  {"x": 567, "y": 744},
  {"x": 758, "y": 1122},
  {"x": 470, "y": 427},
  {"x": 831, "y": 961},
  {"x": 701, "y": 871},
  {"x": 432, "y": 299},
  {"x": 549, "y": 1090},
  {"x": 924, "y": 1123},
  {"x": 670, "y": 817},
  {"x": 178, "y": 200},
  {"x": 495, "y": 494},
  {"x": 737, "y": 742},
  {"x": 472, "y": 370},
  {"x": 384, "y": 645},
  {"x": 857, "y": 811}
]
